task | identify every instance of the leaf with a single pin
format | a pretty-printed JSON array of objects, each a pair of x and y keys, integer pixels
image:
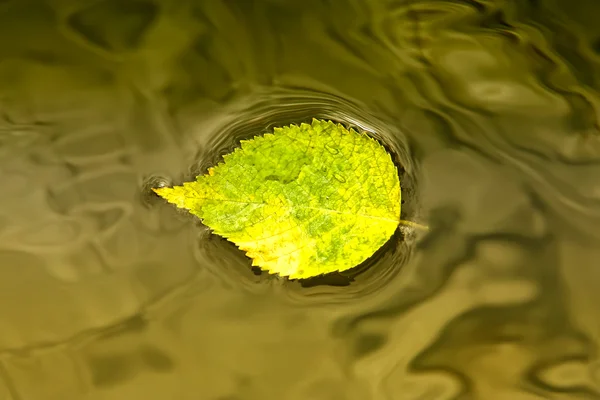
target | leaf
[{"x": 302, "y": 201}]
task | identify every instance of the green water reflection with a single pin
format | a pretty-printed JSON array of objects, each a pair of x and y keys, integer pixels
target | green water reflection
[{"x": 491, "y": 108}]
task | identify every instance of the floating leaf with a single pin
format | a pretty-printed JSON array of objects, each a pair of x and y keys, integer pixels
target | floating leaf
[{"x": 302, "y": 201}]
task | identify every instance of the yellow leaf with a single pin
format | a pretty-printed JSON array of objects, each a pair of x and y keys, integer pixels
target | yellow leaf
[{"x": 303, "y": 201}]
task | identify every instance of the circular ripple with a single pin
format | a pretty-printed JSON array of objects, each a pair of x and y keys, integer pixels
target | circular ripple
[
  {"x": 147, "y": 196},
  {"x": 260, "y": 114}
]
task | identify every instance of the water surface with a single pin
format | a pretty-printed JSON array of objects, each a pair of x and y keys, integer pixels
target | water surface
[{"x": 490, "y": 108}]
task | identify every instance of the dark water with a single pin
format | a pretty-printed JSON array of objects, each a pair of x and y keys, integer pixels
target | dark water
[{"x": 490, "y": 106}]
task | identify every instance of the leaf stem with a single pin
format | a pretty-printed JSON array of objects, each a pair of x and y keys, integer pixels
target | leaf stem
[{"x": 414, "y": 225}]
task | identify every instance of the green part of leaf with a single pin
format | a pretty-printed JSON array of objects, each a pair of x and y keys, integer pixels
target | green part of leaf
[{"x": 303, "y": 201}]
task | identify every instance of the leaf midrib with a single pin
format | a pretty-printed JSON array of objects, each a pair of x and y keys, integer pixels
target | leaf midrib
[{"x": 396, "y": 221}]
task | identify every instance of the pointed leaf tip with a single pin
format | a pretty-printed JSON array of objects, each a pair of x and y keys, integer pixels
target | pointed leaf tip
[
  {"x": 160, "y": 191},
  {"x": 175, "y": 195}
]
